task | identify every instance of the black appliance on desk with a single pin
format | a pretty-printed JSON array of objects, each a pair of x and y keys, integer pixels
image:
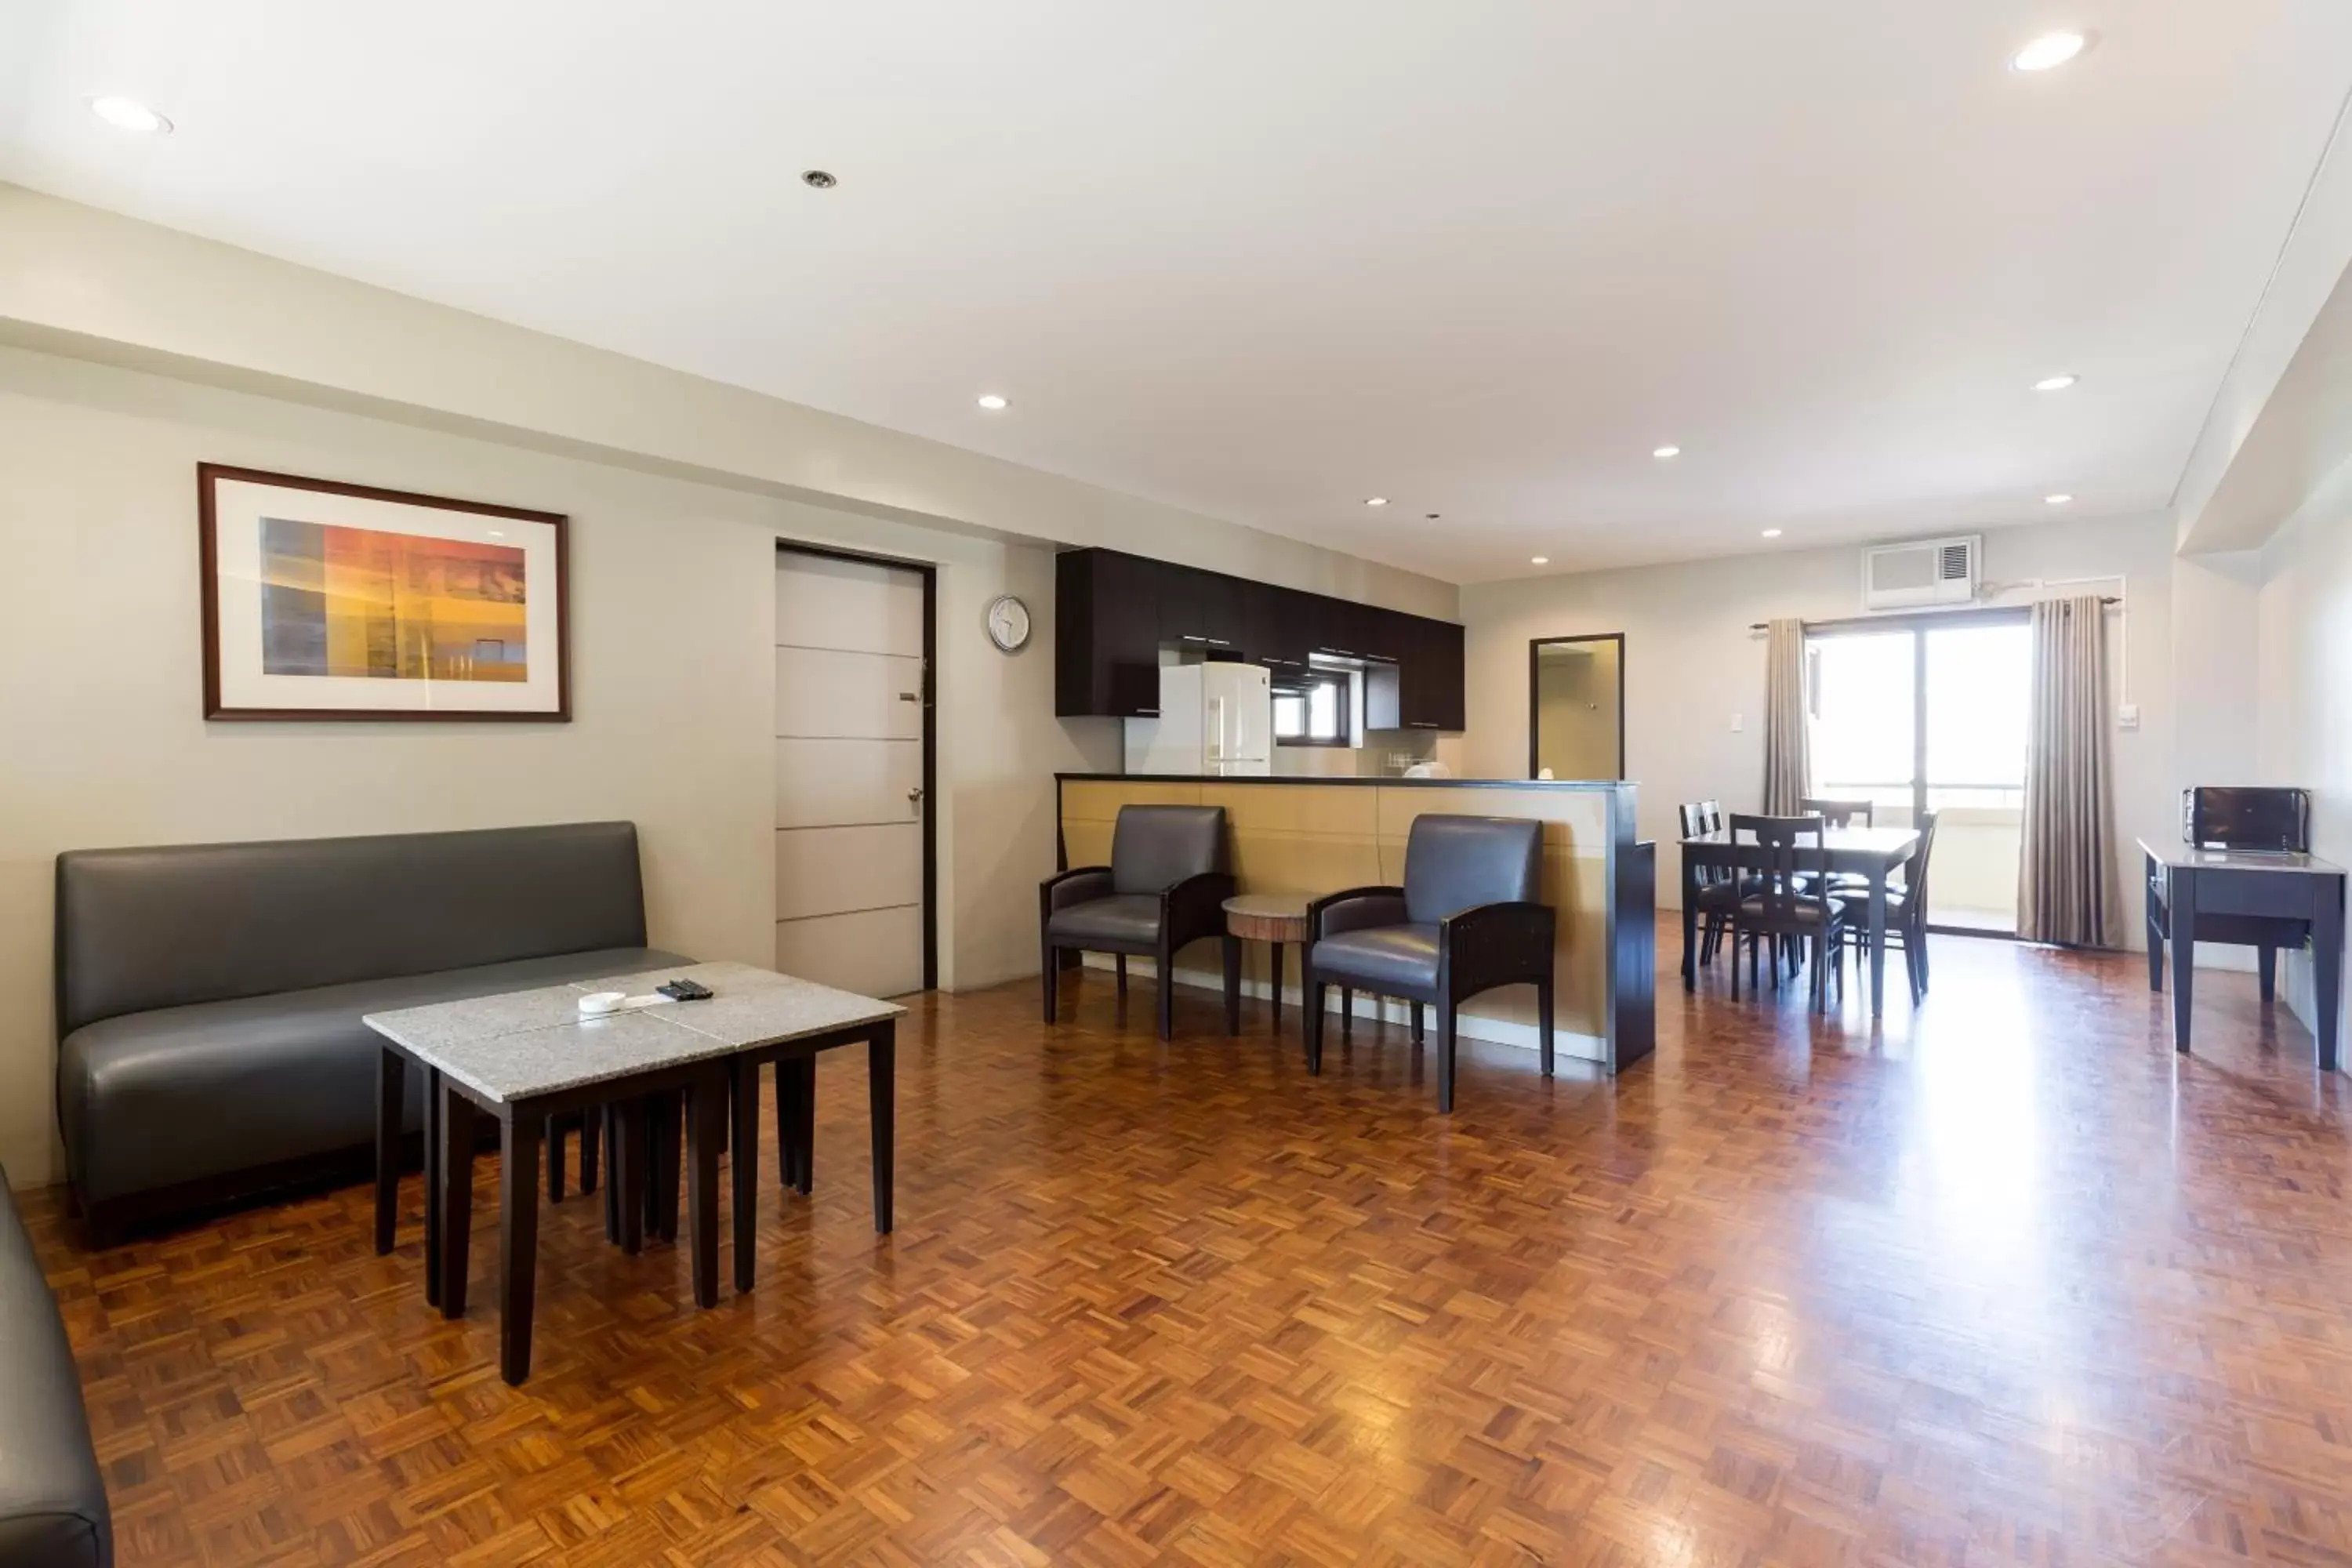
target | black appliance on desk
[
  {"x": 2243, "y": 875},
  {"x": 2239, "y": 817}
]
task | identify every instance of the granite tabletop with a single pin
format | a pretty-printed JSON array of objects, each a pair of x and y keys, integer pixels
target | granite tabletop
[
  {"x": 2195, "y": 858},
  {"x": 530, "y": 1043}
]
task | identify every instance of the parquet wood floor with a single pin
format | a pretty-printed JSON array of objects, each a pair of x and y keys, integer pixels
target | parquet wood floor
[{"x": 2003, "y": 1283}]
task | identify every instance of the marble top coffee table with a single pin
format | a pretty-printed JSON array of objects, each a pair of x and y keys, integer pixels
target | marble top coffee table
[{"x": 526, "y": 1056}]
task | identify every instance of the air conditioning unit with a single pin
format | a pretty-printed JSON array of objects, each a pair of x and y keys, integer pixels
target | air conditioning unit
[{"x": 1923, "y": 571}]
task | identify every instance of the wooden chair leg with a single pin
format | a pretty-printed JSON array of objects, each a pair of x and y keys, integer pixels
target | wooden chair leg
[
  {"x": 1543, "y": 1021},
  {"x": 1167, "y": 957},
  {"x": 1053, "y": 979},
  {"x": 1418, "y": 1034},
  {"x": 1446, "y": 1029},
  {"x": 589, "y": 1138},
  {"x": 1347, "y": 1014},
  {"x": 1312, "y": 997},
  {"x": 1119, "y": 963}
]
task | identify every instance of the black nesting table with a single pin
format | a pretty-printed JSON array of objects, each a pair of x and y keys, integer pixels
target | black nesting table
[
  {"x": 2266, "y": 899},
  {"x": 526, "y": 1056}
]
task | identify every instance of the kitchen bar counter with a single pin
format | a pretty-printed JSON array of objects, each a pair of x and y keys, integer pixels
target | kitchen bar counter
[{"x": 1317, "y": 836}]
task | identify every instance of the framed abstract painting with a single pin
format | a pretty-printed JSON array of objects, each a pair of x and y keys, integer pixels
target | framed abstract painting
[{"x": 326, "y": 600}]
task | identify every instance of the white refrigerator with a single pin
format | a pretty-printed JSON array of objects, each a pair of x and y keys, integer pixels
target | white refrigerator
[{"x": 1215, "y": 720}]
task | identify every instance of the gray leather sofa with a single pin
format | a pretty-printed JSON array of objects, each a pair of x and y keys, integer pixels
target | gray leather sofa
[
  {"x": 52, "y": 1504},
  {"x": 209, "y": 997}
]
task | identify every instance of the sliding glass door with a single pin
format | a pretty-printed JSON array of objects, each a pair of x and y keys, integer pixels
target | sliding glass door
[{"x": 1930, "y": 713}]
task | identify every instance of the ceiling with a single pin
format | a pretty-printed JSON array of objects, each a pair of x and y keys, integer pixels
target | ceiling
[{"x": 1263, "y": 258}]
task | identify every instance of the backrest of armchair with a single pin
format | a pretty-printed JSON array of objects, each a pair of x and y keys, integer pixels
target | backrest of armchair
[
  {"x": 1153, "y": 847},
  {"x": 1454, "y": 863},
  {"x": 141, "y": 929}
]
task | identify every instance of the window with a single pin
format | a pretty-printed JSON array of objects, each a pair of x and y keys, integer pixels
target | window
[{"x": 1311, "y": 712}]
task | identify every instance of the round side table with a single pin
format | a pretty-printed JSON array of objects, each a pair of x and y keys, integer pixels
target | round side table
[{"x": 1275, "y": 918}]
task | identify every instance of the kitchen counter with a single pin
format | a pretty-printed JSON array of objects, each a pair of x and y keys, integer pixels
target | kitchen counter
[{"x": 1317, "y": 836}]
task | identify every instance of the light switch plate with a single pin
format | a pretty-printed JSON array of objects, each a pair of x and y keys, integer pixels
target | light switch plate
[
  {"x": 2128, "y": 716},
  {"x": 1738, "y": 723}
]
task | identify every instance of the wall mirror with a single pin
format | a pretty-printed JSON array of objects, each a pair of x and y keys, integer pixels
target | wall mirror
[{"x": 1576, "y": 707}]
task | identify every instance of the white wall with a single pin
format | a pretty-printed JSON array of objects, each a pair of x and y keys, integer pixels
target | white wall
[
  {"x": 2304, "y": 649},
  {"x": 672, "y": 604},
  {"x": 1691, "y": 663}
]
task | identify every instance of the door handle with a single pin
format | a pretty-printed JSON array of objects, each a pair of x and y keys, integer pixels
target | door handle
[
  {"x": 914, "y": 796},
  {"x": 909, "y": 697}
]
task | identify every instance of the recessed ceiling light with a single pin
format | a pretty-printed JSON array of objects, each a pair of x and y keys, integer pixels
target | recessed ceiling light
[
  {"x": 1538, "y": 560},
  {"x": 2055, "y": 383},
  {"x": 130, "y": 114},
  {"x": 1376, "y": 500},
  {"x": 1771, "y": 533},
  {"x": 2059, "y": 500},
  {"x": 2049, "y": 50},
  {"x": 818, "y": 180},
  {"x": 993, "y": 401},
  {"x": 1666, "y": 452}
]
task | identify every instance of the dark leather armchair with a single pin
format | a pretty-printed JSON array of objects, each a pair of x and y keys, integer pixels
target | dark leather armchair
[
  {"x": 1466, "y": 919},
  {"x": 1165, "y": 887}
]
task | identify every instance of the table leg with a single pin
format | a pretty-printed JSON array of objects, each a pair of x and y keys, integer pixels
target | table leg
[
  {"x": 706, "y": 1122},
  {"x": 518, "y": 1242},
  {"x": 626, "y": 1178},
  {"x": 1878, "y": 941},
  {"x": 882, "y": 1108},
  {"x": 667, "y": 1112},
  {"x": 2327, "y": 968},
  {"x": 2266, "y": 972},
  {"x": 2154, "y": 910},
  {"x": 1690, "y": 923},
  {"x": 554, "y": 1151},
  {"x": 1278, "y": 989},
  {"x": 457, "y": 1197},
  {"x": 2184, "y": 953},
  {"x": 390, "y": 1100},
  {"x": 612, "y": 1177},
  {"x": 433, "y": 1200},
  {"x": 805, "y": 1125},
  {"x": 743, "y": 1160}
]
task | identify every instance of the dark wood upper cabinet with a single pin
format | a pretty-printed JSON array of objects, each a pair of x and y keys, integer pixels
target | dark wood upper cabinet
[{"x": 1113, "y": 612}]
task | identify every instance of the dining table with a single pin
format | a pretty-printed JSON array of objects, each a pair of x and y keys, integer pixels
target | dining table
[{"x": 1871, "y": 853}]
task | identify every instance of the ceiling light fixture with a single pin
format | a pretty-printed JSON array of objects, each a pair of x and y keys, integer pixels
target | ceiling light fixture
[
  {"x": 2048, "y": 50},
  {"x": 1538, "y": 560},
  {"x": 1666, "y": 452},
  {"x": 1771, "y": 533},
  {"x": 130, "y": 114},
  {"x": 1376, "y": 500},
  {"x": 2059, "y": 500},
  {"x": 2055, "y": 383},
  {"x": 818, "y": 180},
  {"x": 993, "y": 401}
]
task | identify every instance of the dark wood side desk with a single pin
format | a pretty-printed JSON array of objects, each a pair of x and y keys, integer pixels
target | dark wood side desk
[{"x": 2266, "y": 899}]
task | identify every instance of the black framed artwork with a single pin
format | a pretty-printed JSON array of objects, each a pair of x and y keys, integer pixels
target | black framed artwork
[{"x": 329, "y": 601}]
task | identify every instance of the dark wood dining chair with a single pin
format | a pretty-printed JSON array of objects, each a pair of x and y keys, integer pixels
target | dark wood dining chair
[
  {"x": 1907, "y": 913},
  {"x": 1840, "y": 813},
  {"x": 1718, "y": 889},
  {"x": 1792, "y": 904}
]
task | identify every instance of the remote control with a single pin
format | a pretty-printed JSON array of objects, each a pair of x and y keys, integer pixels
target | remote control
[{"x": 686, "y": 991}]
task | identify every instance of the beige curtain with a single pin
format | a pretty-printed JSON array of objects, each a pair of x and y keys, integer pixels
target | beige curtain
[
  {"x": 2066, "y": 869},
  {"x": 1788, "y": 745}
]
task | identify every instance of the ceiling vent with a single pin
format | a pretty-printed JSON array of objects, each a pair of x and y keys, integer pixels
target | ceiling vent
[{"x": 1923, "y": 571}]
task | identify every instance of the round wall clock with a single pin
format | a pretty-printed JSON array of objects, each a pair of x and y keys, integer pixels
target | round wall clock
[{"x": 1008, "y": 624}]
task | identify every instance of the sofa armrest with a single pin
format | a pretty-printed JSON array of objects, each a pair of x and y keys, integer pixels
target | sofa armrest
[
  {"x": 1195, "y": 907},
  {"x": 1355, "y": 909},
  {"x": 1079, "y": 885},
  {"x": 1496, "y": 944}
]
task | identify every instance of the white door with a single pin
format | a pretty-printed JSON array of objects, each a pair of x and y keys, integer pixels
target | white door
[{"x": 850, "y": 714}]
